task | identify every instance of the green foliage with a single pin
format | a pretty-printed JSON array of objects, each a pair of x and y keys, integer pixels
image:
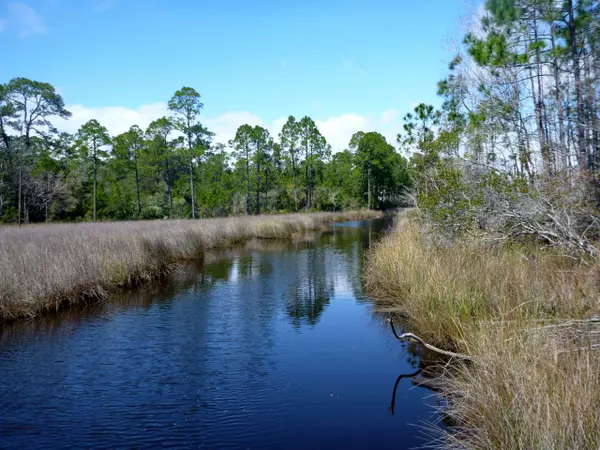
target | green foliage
[
  {"x": 173, "y": 169},
  {"x": 385, "y": 171}
]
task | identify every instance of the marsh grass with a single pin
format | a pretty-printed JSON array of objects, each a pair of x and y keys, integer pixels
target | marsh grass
[
  {"x": 530, "y": 385},
  {"x": 45, "y": 266}
]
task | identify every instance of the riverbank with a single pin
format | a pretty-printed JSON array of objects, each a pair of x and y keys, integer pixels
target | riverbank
[
  {"x": 524, "y": 315},
  {"x": 47, "y": 266}
]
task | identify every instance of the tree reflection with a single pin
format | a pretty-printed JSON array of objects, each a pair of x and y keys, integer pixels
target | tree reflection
[
  {"x": 307, "y": 305},
  {"x": 311, "y": 291}
]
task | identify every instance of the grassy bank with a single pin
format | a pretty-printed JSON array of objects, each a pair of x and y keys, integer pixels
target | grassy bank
[
  {"x": 44, "y": 266},
  {"x": 522, "y": 314}
]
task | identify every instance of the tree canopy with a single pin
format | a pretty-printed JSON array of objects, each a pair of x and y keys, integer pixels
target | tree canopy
[{"x": 174, "y": 169}]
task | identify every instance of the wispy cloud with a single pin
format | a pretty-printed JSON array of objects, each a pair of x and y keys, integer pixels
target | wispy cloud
[
  {"x": 25, "y": 19},
  {"x": 388, "y": 116}
]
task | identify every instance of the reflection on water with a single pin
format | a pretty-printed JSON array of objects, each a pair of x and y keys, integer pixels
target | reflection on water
[{"x": 272, "y": 345}]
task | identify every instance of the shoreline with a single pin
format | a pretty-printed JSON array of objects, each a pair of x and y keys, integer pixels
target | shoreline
[{"x": 49, "y": 267}]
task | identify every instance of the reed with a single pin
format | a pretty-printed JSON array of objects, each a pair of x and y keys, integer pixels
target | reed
[{"x": 521, "y": 314}]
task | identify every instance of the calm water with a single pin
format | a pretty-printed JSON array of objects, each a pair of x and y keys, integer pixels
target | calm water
[{"x": 271, "y": 346}]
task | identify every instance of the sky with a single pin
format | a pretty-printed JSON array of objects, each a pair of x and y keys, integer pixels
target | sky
[{"x": 350, "y": 65}]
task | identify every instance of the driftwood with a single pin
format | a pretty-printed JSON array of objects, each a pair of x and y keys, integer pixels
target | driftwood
[{"x": 414, "y": 337}]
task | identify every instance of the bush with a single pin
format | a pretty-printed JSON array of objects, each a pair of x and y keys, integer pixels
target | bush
[{"x": 152, "y": 212}]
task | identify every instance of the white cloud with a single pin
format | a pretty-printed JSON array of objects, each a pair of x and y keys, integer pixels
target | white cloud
[
  {"x": 116, "y": 119},
  {"x": 337, "y": 130},
  {"x": 26, "y": 19},
  {"x": 388, "y": 116},
  {"x": 276, "y": 126},
  {"x": 225, "y": 125}
]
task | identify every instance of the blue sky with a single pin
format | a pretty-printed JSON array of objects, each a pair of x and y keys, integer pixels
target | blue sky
[{"x": 348, "y": 64}]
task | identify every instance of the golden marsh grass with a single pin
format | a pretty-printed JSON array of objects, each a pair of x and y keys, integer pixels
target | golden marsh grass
[
  {"x": 45, "y": 266},
  {"x": 531, "y": 385}
]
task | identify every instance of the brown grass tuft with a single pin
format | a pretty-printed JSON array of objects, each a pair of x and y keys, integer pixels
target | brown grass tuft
[
  {"x": 525, "y": 391},
  {"x": 43, "y": 266},
  {"x": 531, "y": 385}
]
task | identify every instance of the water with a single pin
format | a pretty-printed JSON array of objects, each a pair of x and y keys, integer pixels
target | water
[{"x": 270, "y": 346}]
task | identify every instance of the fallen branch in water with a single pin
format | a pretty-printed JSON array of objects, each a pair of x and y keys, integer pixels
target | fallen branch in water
[{"x": 416, "y": 338}]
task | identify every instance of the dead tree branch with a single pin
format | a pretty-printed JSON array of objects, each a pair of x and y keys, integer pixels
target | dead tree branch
[{"x": 414, "y": 337}]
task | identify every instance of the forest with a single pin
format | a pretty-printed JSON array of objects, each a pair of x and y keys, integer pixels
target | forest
[{"x": 173, "y": 169}]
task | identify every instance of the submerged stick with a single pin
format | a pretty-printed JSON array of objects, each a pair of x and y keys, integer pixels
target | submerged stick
[{"x": 416, "y": 338}]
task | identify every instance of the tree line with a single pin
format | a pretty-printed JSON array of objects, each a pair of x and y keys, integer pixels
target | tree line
[{"x": 174, "y": 169}]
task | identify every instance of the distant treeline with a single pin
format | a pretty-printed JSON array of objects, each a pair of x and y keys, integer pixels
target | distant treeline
[{"x": 173, "y": 169}]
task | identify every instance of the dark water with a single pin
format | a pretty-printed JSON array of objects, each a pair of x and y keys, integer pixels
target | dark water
[{"x": 271, "y": 346}]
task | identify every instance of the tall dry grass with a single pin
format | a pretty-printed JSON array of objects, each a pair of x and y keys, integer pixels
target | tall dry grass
[
  {"x": 44, "y": 266},
  {"x": 520, "y": 314}
]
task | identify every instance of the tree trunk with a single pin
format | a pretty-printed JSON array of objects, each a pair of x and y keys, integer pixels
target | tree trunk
[
  {"x": 546, "y": 154},
  {"x": 311, "y": 187},
  {"x": 20, "y": 157},
  {"x": 523, "y": 156},
  {"x": 583, "y": 160},
  {"x": 537, "y": 107},
  {"x": 169, "y": 187},
  {"x": 257, "y": 185},
  {"x": 192, "y": 189},
  {"x": 369, "y": 185},
  {"x": 362, "y": 182},
  {"x": 294, "y": 177},
  {"x": 20, "y": 195},
  {"x": 25, "y": 209},
  {"x": 189, "y": 139},
  {"x": 1, "y": 190},
  {"x": 47, "y": 196},
  {"x": 247, "y": 182},
  {"x": 95, "y": 182},
  {"x": 592, "y": 117},
  {"x": 559, "y": 100},
  {"x": 137, "y": 187},
  {"x": 267, "y": 190},
  {"x": 306, "y": 206}
]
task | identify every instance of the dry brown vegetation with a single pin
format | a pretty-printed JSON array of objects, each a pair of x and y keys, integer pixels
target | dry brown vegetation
[
  {"x": 44, "y": 266},
  {"x": 526, "y": 318}
]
